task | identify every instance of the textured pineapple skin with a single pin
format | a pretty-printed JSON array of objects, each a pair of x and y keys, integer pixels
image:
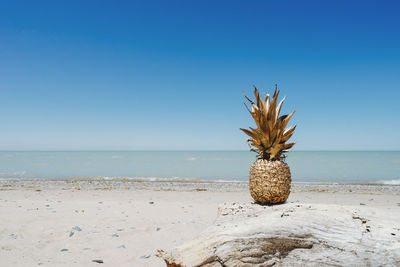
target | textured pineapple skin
[{"x": 269, "y": 181}]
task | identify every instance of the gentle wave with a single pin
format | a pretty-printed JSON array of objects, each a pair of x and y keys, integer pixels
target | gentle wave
[
  {"x": 114, "y": 178},
  {"x": 188, "y": 180},
  {"x": 389, "y": 182}
]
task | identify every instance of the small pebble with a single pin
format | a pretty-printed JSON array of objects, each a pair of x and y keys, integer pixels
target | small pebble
[
  {"x": 77, "y": 228},
  {"x": 151, "y": 202},
  {"x": 158, "y": 229},
  {"x": 98, "y": 261},
  {"x": 87, "y": 249},
  {"x": 145, "y": 256},
  {"x": 362, "y": 204},
  {"x": 392, "y": 233},
  {"x": 64, "y": 249},
  {"x": 71, "y": 234},
  {"x": 122, "y": 246},
  {"x": 114, "y": 235},
  {"x": 12, "y": 236}
]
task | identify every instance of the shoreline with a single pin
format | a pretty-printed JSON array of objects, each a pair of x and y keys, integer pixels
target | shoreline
[
  {"x": 380, "y": 182},
  {"x": 186, "y": 186}
]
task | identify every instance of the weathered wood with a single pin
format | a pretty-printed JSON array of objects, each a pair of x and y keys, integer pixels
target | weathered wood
[{"x": 292, "y": 235}]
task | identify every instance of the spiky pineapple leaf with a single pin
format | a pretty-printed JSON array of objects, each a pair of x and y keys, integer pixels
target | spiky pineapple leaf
[{"x": 269, "y": 138}]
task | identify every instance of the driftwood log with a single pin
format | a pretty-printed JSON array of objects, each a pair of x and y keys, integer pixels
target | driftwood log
[{"x": 293, "y": 235}]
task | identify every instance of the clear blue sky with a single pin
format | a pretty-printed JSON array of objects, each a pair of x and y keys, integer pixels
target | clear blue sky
[{"x": 77, "y": 75}]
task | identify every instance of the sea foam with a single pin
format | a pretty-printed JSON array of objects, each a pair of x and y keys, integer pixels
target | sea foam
[{"x": 389, "y": 182}]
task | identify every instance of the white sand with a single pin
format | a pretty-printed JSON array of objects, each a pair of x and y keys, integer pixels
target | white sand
[{"x": 120, "y": 226}]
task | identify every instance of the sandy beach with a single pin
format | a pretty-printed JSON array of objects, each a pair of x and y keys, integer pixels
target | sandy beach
[{"x": 122, "y": 223}]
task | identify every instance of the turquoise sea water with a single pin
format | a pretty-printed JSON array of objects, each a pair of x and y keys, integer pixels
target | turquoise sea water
[{"x": 306, "y": 166}]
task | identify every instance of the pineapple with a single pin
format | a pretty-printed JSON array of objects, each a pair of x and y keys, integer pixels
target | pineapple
[{"x": 270, "y": 176}]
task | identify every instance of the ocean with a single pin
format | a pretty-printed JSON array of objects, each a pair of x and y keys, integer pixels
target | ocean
[{"x": 382, "y": 167}]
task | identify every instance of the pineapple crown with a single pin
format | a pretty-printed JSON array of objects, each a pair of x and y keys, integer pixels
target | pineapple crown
[{"x": 269, "y": 139}]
